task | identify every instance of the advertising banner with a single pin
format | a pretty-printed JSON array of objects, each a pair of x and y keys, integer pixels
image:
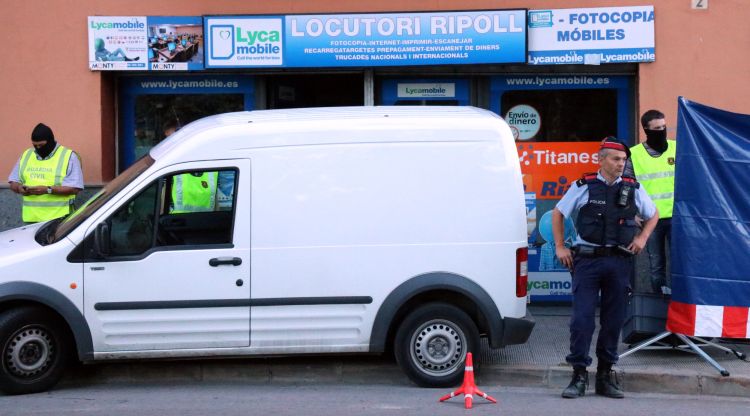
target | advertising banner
[
  {"x": 175, "y": 43},
  {"x": 117, "y": 43},
  {"x": 591, "y": 36},
  {"x": 711, "y": 224},
  {"x": 435, "y": 38}
]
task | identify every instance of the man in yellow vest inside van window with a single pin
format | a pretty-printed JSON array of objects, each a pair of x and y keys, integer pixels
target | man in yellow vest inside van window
[
  {"x": 191, "y": 192},
  {"x": 48, "y": 176},
  {"x": 653, "y": 165}
]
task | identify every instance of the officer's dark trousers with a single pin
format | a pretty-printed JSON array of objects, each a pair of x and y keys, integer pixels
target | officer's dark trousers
[
  {"x": 611, "y": 276},
  {"x": 657, "y": 247}
]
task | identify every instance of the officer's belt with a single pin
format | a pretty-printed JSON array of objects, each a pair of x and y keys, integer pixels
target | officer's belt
[{"x": 591, "y": 251}]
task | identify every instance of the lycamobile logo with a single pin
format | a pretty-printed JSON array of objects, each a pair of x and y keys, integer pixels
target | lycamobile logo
[
  {"x": 133, "y": 24},
  {"x": 433, "y": 90},
  {"x": 251, "y": 36},
  {"x": 265, "y": 39}
]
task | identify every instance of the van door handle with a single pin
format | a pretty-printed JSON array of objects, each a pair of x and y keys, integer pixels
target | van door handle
[{"x": 218, "y": 261}]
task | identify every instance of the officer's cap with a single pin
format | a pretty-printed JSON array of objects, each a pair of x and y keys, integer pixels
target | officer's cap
[{"x": 612, "y": 142}]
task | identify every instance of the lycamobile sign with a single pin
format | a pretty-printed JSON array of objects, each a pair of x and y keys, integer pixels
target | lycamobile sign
[
  {"x": 257, "y": 41},
  {"x": 131, "y": 24},
  {"x": 117, "y": 43},
  {"x": 423, "y": 90},
  {"x": 237, "y": 41}
]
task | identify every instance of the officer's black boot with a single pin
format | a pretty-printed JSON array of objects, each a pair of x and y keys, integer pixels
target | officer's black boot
[
  {"x": 606, "y": 382},
  {"x": 578, "y": 384}
]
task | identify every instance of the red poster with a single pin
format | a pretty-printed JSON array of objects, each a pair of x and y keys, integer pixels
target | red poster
[{"x": 549, "y": 168}]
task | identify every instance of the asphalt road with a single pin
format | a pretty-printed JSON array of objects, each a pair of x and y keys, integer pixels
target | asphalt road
[{"x": 312, "y": 399}]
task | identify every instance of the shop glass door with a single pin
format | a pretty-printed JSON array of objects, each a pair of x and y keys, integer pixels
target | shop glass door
[
  {"x": 148, "y": 105},
  {"x": 558, "y": 123}
]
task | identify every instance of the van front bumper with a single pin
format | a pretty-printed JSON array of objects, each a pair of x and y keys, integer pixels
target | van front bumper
[{"x": 515, "y": 331}]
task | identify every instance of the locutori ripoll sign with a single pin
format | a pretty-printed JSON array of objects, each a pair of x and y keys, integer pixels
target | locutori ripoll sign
[{"x": 366, "y": 40}]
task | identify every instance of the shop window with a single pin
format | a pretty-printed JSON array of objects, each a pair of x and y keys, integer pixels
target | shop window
[
  {"x": 154, "y": 111},
  {"x": 567, "y": 115}
]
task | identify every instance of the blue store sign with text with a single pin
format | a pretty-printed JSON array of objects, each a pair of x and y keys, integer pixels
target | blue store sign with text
[
  {"x": 435, "y": 38},
  {"x": 591, "y": 36}
]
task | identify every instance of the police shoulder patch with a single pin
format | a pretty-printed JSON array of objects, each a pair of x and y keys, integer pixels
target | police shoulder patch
[
  {"x": 586, "y": 178},
  {"x": 631, "y": 181}
]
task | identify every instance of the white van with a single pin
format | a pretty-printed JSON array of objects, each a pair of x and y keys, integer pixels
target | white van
[{"x": 330, "y": 230}]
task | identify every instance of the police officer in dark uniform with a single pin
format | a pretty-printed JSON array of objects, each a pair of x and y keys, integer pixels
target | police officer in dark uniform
[{"x": 601, "y": 260}]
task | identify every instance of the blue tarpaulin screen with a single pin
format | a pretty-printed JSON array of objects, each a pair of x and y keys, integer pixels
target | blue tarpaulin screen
[{"x": 710, "y": 254}]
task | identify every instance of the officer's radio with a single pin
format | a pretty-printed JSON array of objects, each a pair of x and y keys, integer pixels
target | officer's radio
[{"x": 622, "y": 199}]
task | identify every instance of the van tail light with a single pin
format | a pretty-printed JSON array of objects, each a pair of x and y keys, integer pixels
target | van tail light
[{"x": 522, "y": 271}]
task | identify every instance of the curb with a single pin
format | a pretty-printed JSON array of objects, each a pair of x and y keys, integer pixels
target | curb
[
  {"x": 636, "y": 381},
  {"x": 379, "y": 370}
]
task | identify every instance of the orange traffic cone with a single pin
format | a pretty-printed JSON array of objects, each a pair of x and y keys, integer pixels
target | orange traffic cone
[{"x": 468, "y": 388}]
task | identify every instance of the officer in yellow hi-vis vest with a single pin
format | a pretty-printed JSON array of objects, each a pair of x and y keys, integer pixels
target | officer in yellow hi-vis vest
[
  {"x": 48, "y": 176},
  {"x": 191, "y": 192},
  {"x": 653, "y": 165},
  {"x": 194, "y": 192}
]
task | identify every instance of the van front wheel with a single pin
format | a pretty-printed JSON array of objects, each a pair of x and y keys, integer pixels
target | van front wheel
[
  {"x": 431, "y": 344},
  {"x": 34, "y": 350}
]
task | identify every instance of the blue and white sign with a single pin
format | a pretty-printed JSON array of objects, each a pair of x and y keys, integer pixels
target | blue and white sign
[
  {"x": 366, "y": 40},
  {"x": 591, "y": 36},
  {"x": 244, "y": 41},
  {"x": 436, "y": 38}
]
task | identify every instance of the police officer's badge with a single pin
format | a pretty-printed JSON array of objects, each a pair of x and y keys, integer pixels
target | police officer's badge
[{"x": 670, "y": 160}]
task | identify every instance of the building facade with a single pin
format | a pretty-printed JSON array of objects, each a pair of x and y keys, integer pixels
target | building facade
[{"x": 109, "y": 91}]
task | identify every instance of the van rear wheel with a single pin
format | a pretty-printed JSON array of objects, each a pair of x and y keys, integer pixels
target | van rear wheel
[
  {"x": 431, "y": 344},
  {"x": 34, "y": 351}
]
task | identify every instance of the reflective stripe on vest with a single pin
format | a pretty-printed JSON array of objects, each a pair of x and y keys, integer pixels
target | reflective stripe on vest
[
  {"x": 48, "y": 172},
  {"x": 192, "y": 193},
  {"x": 656, "y": 175}
]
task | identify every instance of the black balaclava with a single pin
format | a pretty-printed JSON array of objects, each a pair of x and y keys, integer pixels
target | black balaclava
[
  {"x": 657, "y": 139},
  {"x": 42, "y": 132}
]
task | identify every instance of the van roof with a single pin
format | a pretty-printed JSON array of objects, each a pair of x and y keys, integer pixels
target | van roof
[
  {"x": 332, "y": 125},
  {"x": 338, "y": 113}
]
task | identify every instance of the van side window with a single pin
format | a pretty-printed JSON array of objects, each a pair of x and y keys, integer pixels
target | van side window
[
  {"x": 132, "y": 226},
  {"x": 197, "y": 208},
  {"x": 185, "y": 209}
]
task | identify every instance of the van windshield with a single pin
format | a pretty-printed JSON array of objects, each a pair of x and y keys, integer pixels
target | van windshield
[{"x": 56, "y": 230}]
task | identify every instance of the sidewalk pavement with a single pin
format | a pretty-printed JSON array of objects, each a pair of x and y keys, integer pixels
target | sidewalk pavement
[{"x": 538, "y": 363}]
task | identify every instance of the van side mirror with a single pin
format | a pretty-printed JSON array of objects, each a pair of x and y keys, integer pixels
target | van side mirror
[{"x": 101, "y": 240}]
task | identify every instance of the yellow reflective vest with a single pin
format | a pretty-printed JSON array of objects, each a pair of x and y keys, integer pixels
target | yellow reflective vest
[
  {"x": 656, "y": 175},
  {"x": 192, "y": 193},
  {"x": 47, "y": 172}
]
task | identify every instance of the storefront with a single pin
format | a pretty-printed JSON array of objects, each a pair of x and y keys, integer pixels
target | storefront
[{"x": 563, "y": 79}]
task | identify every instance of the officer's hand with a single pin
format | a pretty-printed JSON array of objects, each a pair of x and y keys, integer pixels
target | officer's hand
[
  {"x": 565, "y": 256},
  {"x": 638, "y": 221},
  {"x": 36, "y": 190},
  {"x": 637, "y": 245}
]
